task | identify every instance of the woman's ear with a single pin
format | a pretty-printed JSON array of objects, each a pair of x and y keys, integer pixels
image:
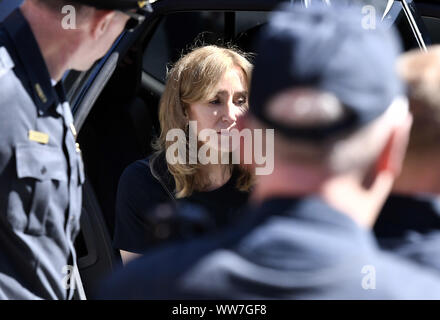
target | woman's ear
[
  {"x": 185, "y": 115},
  {"x": 185, "y": 110}
]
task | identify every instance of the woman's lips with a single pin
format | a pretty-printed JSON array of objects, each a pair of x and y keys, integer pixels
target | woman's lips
[{"x": 227, "y": 131}]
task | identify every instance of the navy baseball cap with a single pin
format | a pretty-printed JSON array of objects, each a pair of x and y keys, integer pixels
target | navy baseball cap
[
  {"x": 331, "y": 49},
  {"x": 116, "y": 4}
]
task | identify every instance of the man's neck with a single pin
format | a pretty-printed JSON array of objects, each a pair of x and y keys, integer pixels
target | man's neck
[
  {"x": 343, "y": 193},
  {"x": 347, "y": 195},
  {"x": 49, "y": 36},
  {"x": 287, "y": 181}
]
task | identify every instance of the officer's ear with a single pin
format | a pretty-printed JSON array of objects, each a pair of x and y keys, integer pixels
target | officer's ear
[
  {"x": 102, "y": 20},
  {"x": 393, "y": 154}
]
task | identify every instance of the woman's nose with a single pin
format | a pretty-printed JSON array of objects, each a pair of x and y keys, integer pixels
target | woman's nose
[{"x": 231, "y": 112}]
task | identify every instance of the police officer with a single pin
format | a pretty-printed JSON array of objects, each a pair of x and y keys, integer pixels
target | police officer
[
  {"x": 329, "y": 90},
  {"x": 41, "y": 170}
]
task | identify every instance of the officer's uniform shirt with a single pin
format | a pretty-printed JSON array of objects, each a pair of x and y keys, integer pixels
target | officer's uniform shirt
[
  {"x": 41, "y": 172},
  {"x": 410, "y": 227},
  {"x": 285, "y": 249}
]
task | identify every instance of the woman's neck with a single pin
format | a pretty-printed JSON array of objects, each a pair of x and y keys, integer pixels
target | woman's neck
[{"x": 215, "y": 175}]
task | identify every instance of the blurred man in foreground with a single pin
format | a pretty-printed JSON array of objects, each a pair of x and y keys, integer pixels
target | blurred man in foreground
[
  {"x": 329, "y": 89},
  {"x": 409, "y": 224}
]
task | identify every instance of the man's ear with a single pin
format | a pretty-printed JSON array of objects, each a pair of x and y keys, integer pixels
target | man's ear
[
  {"x": 101, "y": 22},
  {"x": 393, "y": 153}
]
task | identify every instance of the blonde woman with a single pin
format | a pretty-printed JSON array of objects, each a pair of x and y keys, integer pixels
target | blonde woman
[{"x": 206, "y": 89}]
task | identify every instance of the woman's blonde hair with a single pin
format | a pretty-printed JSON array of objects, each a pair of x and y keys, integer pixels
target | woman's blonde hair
[{"x": 192, "y": 79}]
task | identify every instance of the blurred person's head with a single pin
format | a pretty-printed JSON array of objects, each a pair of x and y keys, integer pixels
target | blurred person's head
[
  {"x": 329, "y": 89},
  {"x": 421, "y": 71},
  {"x": 71, "y": 34},
  {"x": 208, "y": 87}
]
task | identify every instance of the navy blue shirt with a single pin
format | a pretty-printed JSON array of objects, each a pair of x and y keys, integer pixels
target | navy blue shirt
[
  {"x": 41, "y": 172},
  {"x": 147, "y": 215},
  {"x": 285, "y": 249}
]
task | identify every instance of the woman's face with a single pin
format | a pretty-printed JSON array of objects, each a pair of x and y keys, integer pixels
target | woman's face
[{"x": 220, "y": 111}]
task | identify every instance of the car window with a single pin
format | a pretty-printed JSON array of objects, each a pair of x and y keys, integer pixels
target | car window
[
  {"x": 167, "y": 45},
  {"x": 175, "y": 33},
  {"x": 397, "y": 16},
  {"x": 433, "y": 26},
  {"x": 246, "y": 20}
]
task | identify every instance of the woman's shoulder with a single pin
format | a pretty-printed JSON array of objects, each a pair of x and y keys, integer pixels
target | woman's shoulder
[
  {"x": 138, "y": 170},
  {"x": 149, "y": 173}
]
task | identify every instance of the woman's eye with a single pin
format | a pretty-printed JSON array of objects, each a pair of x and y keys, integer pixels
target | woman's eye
[
  {"x": 215, "y": 101},
  {"x": 240, "y": 102}
]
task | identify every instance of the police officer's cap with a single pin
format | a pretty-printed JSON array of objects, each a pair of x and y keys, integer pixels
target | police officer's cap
[
  {"x": 331, "y": 49},
  {"x": 116, "y": 4}
]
